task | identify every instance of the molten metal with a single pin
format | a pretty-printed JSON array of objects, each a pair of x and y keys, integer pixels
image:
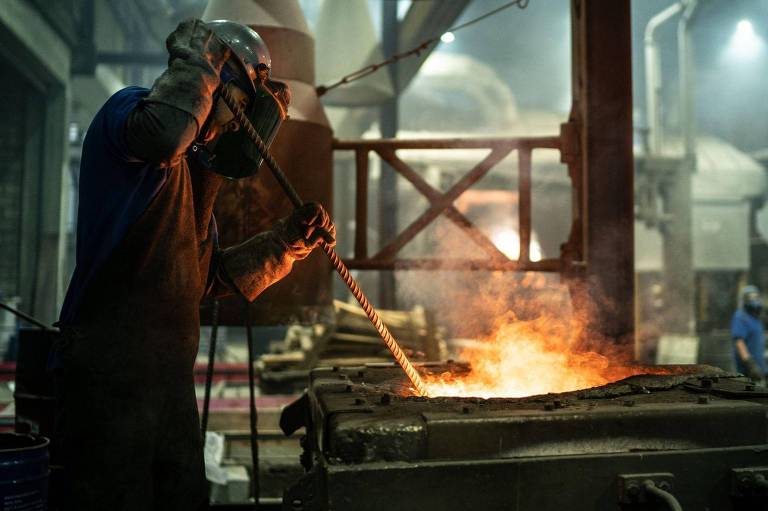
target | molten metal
[{"x": 525, "y": 358}]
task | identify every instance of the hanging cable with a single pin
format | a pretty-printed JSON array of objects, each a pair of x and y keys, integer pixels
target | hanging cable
[{"x": 367, "y": 70}]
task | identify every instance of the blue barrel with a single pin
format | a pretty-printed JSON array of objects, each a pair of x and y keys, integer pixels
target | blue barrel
[{"x": 23, "y": 472}]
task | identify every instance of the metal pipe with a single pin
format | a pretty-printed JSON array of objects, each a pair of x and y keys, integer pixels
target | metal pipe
[
  {"x": 653, "y": 75},
  {"x": 664, "y": 496},
  {"x": 336, "y": 261},
  {"x": 685, "y": 56}
]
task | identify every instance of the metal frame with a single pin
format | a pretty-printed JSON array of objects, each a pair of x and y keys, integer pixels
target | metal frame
[{"x": 442, "y": 202}]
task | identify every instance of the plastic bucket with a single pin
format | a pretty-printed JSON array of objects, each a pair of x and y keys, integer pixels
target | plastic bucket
[{"x": 23, "y": 472}]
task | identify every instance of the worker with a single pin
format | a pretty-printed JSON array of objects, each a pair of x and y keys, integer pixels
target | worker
[
  {"x": 748, "y": 336},
  {"x": 147, "y": 253}
]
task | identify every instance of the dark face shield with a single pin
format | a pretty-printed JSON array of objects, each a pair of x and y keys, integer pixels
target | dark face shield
[{"x": 235, "y": 154}]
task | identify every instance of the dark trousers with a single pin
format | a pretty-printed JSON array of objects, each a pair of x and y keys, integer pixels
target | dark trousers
[{"x": 128, "y": 432}]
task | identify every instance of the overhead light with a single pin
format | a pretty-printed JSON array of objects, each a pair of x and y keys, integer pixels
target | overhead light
[
  {"x": 448, "y": 37},
  {"x": 745, "y": 43}
]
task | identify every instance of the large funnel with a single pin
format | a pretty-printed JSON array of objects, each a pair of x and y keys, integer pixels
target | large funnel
[
  {"x": 345, "y": 28},
  {"x": 303, "y": 149}
]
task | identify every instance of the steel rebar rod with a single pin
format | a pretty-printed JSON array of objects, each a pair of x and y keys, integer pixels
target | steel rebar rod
[{"x": 336, "y": 261}]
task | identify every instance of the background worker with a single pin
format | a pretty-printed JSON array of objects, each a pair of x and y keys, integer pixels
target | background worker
[{"x": 748, "y": 336}]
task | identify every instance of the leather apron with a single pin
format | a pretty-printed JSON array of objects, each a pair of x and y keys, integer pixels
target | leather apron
[{"x": 127, "y": 396}]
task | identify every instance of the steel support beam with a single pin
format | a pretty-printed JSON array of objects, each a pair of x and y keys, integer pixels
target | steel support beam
[
  {"x": 602, "y": 109},
  {"x": 388, "y": 121},
  {"x": 424, "y": 19}
]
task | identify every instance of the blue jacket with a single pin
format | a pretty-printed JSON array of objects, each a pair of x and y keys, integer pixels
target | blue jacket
[{"x": 749, "y": 328}]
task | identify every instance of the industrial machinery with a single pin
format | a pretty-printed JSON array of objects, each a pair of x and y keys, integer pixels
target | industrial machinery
[{"x": 695, "y": 436}]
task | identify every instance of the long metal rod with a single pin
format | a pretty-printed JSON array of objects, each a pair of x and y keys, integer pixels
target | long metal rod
[
  {"x": 336, "y": 261},
  {"x": 25, "y": 317},
  {"x": 211, "y": 362},
  {"x": 253, "y": 413}
]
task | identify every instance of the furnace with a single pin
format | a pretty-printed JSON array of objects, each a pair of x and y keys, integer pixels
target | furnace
[{"x": 698, "y": 432}]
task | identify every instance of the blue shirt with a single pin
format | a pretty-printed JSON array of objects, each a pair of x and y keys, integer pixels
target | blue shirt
[
  {"x": 115, "y": 189},
  {"x": 749, "y": 328}
]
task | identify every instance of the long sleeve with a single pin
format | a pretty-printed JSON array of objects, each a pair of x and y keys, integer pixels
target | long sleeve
[{"x": 167, "y": 121}]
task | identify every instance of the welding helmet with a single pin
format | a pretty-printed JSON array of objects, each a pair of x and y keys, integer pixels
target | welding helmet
[{"x": 234, "y": 154}]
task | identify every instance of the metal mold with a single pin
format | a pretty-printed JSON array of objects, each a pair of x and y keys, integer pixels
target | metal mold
[{"x": 377, "y": 447}]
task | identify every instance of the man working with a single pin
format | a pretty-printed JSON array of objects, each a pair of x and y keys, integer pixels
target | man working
[
  {"x": 147, "y": 254},
  {"x": 747, "y": 334}
]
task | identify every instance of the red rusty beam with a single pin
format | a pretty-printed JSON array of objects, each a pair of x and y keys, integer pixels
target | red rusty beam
[
  {"x": 602, "y": 111},
  {"x": 524, "y": 203},
  {"x": 552, "y": 142},
  {"x": 388, "y": 154},
  {"x": 361, "y": 204},
  {"x": 444, "y": 201},
  {"x": 454, "y": 264}
]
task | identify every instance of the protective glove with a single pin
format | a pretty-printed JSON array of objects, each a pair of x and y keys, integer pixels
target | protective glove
[
  {"x": 753, "y": 370},
  {"x": 257, "y": 263},
  {"x": 195, "y": 58},
  {"x": 305, "y": 229}
]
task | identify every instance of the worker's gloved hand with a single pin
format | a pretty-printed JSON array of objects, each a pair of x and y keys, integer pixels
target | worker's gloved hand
[
  {"x": 195, "y": 58},
  {"x": 753, "y": 370},
  {"x": 305, "y": 228},
  {"x": 193, "y": 40}
]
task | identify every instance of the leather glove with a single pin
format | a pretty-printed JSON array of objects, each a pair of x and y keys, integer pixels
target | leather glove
[
  {"x": 753, "y": 370},
  {"x": 193, "y": 40},
  {"x": 195, "y": 58},
  {"x": 305, "y": 229}
]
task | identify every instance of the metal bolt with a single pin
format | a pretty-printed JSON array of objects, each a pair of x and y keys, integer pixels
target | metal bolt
[
  {"x": 703, "y": 400},
  {"x": 633, "y": 489},
  {"x": 386, "y": 399},
  {"x": 549, "y": 406},
  {"x": 629, "y": 402},
  {"x": 749, "y": 386}
]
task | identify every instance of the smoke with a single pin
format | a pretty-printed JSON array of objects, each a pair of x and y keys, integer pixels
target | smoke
[{"x": 531, "y": 333}]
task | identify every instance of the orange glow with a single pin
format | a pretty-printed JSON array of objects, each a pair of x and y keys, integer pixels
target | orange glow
[{"x": 524, "y": 358}]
